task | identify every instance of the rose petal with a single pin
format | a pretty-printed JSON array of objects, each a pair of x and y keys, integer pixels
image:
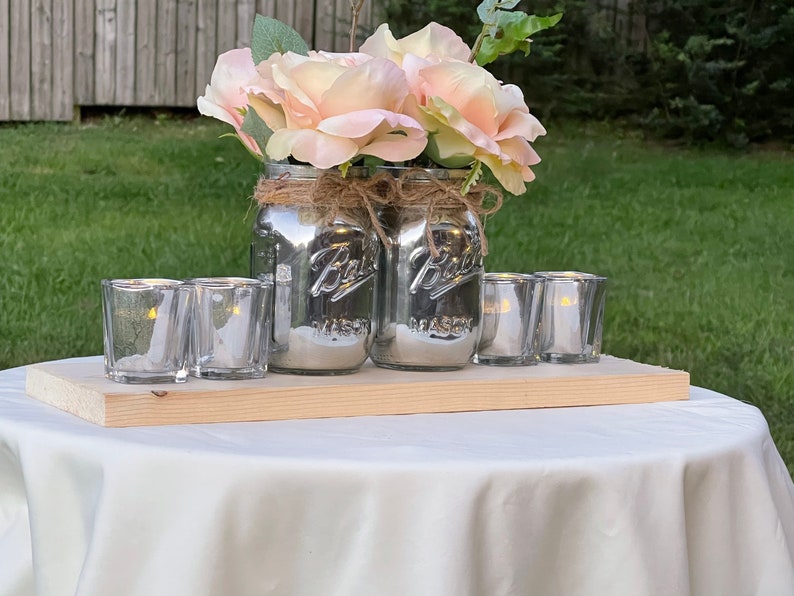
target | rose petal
[{"x": 316, "y": 148}]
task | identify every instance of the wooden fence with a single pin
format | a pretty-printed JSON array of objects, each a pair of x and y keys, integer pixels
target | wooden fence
[{"x": 58, "y": 54}]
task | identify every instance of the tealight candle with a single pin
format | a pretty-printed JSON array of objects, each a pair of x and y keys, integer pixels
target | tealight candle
[
  {"x": 230, "y": 327},
  {"x": 145, "y": 326},
  {"x": 571, "y": 323}
]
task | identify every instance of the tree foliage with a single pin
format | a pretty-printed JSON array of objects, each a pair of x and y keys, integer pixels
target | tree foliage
[{"x": 696, "y": 70}]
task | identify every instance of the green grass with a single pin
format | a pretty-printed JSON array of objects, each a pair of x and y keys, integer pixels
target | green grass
[{"x": 698, "y": 244}]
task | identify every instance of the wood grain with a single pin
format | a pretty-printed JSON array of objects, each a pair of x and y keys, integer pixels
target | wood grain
[{"x": 81, "y": 389}]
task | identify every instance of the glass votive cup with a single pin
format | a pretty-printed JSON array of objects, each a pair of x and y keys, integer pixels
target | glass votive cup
[
  {"x": 230, "y": 328},
  {"x": 572, "y": 319},
  {"x": 510, "y": 315},
  {"x": 145, "y": 330}
]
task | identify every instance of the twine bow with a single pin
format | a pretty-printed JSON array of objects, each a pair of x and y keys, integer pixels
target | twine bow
[
  {"x": 415, "y": 187},
  {"x": 328, "y": 192}
]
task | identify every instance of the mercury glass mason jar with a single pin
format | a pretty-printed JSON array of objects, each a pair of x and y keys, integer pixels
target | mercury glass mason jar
[
  {"x": 430, "y": 277},
  {"x": 317, "y": 242}
]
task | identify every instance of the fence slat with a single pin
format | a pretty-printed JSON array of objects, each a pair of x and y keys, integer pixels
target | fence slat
[
  {"x": 84, "y": 52},
  {"x": 304, "y": 21},
  {"x": 41, "y": 59},
  {"x": 246, "y": 11},
  {"x": 125, "y": 53},
  {"x": 269, "y": 8},
  {"x": 165, "y": 63},
  {"x": 324, "y": 24},
  {"x": 146, "y": 53},
  {"x": 206, "y": 45},
  {"x": 342, "y": 23},
  {"x": 62, "y": 60},
  {"x": 105, "y": 52},
  {"x": 5, "y": 61},
  {"x": 227, "y": 25},
  {"x": 186, "y": 53},
  {"x": 20, "y": 63}
]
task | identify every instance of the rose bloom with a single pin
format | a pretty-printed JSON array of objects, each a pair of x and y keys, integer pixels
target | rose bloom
[
  {"x": 433, "y": 42},
  {"x": 327, "y": 109},
  {"x": 226, "y": 96},
  {"x": 468, "y": 114}
]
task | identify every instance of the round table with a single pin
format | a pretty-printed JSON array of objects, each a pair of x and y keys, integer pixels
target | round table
[{"x": 674, "y": 498}]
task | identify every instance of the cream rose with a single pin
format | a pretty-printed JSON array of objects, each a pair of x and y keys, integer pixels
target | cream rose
[
  {"x": 226, "y": 97},
  {"x": 327, "y": 109},
  {"x": 469, "y": 115},
  {"x": 434, "y": 42}
]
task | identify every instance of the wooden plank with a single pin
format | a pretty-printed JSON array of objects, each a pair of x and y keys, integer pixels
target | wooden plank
[
  {"x": 342, "y": 23},
  {"x": 146, "y": 53},
  {"x": 304, "y": 21},
  {"x": 269, "y": 8},
  {"x": 84, "y": 25},
  {"x": 324, "y": 22},
  {"x": 41, "y": 59},
  {"x": 81, "y": 388},
  {"x": 226, "y": 28},
  {"x": 20, "y": 66},
  {"x": 125, "y": 53},
  {"x": 285, "y": 11},
  {"x": 186, "y": 53},
  {"x": 5, "y": 61},
  {"x": 63, "y": 60},
  {"x": 246, "y": 12},
  {"x": 206, "y": 44},
  {"x": 105, "y": 52},
  {"x": 165, "y": 62}
]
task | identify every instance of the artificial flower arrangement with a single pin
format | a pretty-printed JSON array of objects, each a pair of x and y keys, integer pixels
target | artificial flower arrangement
[{"x": 425, "y": 99}]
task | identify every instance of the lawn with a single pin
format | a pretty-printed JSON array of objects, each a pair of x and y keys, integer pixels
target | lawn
[{"x": 698, "y": 244}]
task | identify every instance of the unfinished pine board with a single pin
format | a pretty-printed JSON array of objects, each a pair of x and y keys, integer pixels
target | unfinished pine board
[{"x": 81, "y": 389}]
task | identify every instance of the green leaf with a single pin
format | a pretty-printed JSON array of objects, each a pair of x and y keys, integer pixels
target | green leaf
[
  {"x": 512, "y": 33},
  {"x": 271, "y": 36},
  {"x": 488, "y": 8},
  {"x": 254, "y": 126},
  {"x": 472, "y": 177}
]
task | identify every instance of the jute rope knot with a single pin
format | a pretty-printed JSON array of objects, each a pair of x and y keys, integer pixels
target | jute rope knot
[
  {"x": 415, "y": 187},
  {"x": 329, "y": 192}
]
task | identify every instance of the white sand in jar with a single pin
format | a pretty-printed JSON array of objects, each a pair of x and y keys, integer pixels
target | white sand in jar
[
  {"x": 410, "y": 347},
  {"x": 310, "y": 351},
  {"x": 137, "y": 363}
]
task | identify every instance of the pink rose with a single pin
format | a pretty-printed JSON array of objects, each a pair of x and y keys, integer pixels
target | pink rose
[
  {"x": 226, "y": 96},
  {"x": 469, "y": 116},
  {"x": 434, "y": 42},
  {"x": 327, "y": 109}
]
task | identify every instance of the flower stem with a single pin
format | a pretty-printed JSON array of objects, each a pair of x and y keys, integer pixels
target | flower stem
[{"x": 355, "y": 8}]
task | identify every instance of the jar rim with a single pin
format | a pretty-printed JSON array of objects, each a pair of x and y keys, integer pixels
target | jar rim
[{"x": 308, "y": 172}]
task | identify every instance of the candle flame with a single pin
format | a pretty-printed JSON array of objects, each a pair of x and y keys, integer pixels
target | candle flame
[
  {"x": 235, "y": 310},
  {"x": 566, "y": 301},
  {"x": 152, "y": 314}
]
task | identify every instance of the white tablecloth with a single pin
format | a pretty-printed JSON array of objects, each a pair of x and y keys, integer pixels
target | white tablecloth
[{"x": 655, "y": 499}]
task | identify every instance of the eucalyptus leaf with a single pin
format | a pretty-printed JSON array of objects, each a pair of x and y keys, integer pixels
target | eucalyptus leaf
[
  {"x": 472, "y": 177},
  {"x": 488, "y": 8},
  {"x": 255, "y": 127},
  {"x": 513, "y": 30},
  {"x": 271, "y": 36}
]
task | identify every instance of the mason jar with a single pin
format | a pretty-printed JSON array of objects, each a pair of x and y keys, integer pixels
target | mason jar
[
  {"x": 429, "y": 304},
  {"x": 320, "y": 249}
]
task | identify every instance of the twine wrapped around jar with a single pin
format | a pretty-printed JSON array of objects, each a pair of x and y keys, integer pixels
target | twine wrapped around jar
[
  {"x": 330, "y": 193},
  {"x": 414, "y": 188}
]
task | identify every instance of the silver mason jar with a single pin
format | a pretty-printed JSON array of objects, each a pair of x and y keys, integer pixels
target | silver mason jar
[
  {"x": 429, "y": 304},
  {"x": 323, "y": 259}
]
